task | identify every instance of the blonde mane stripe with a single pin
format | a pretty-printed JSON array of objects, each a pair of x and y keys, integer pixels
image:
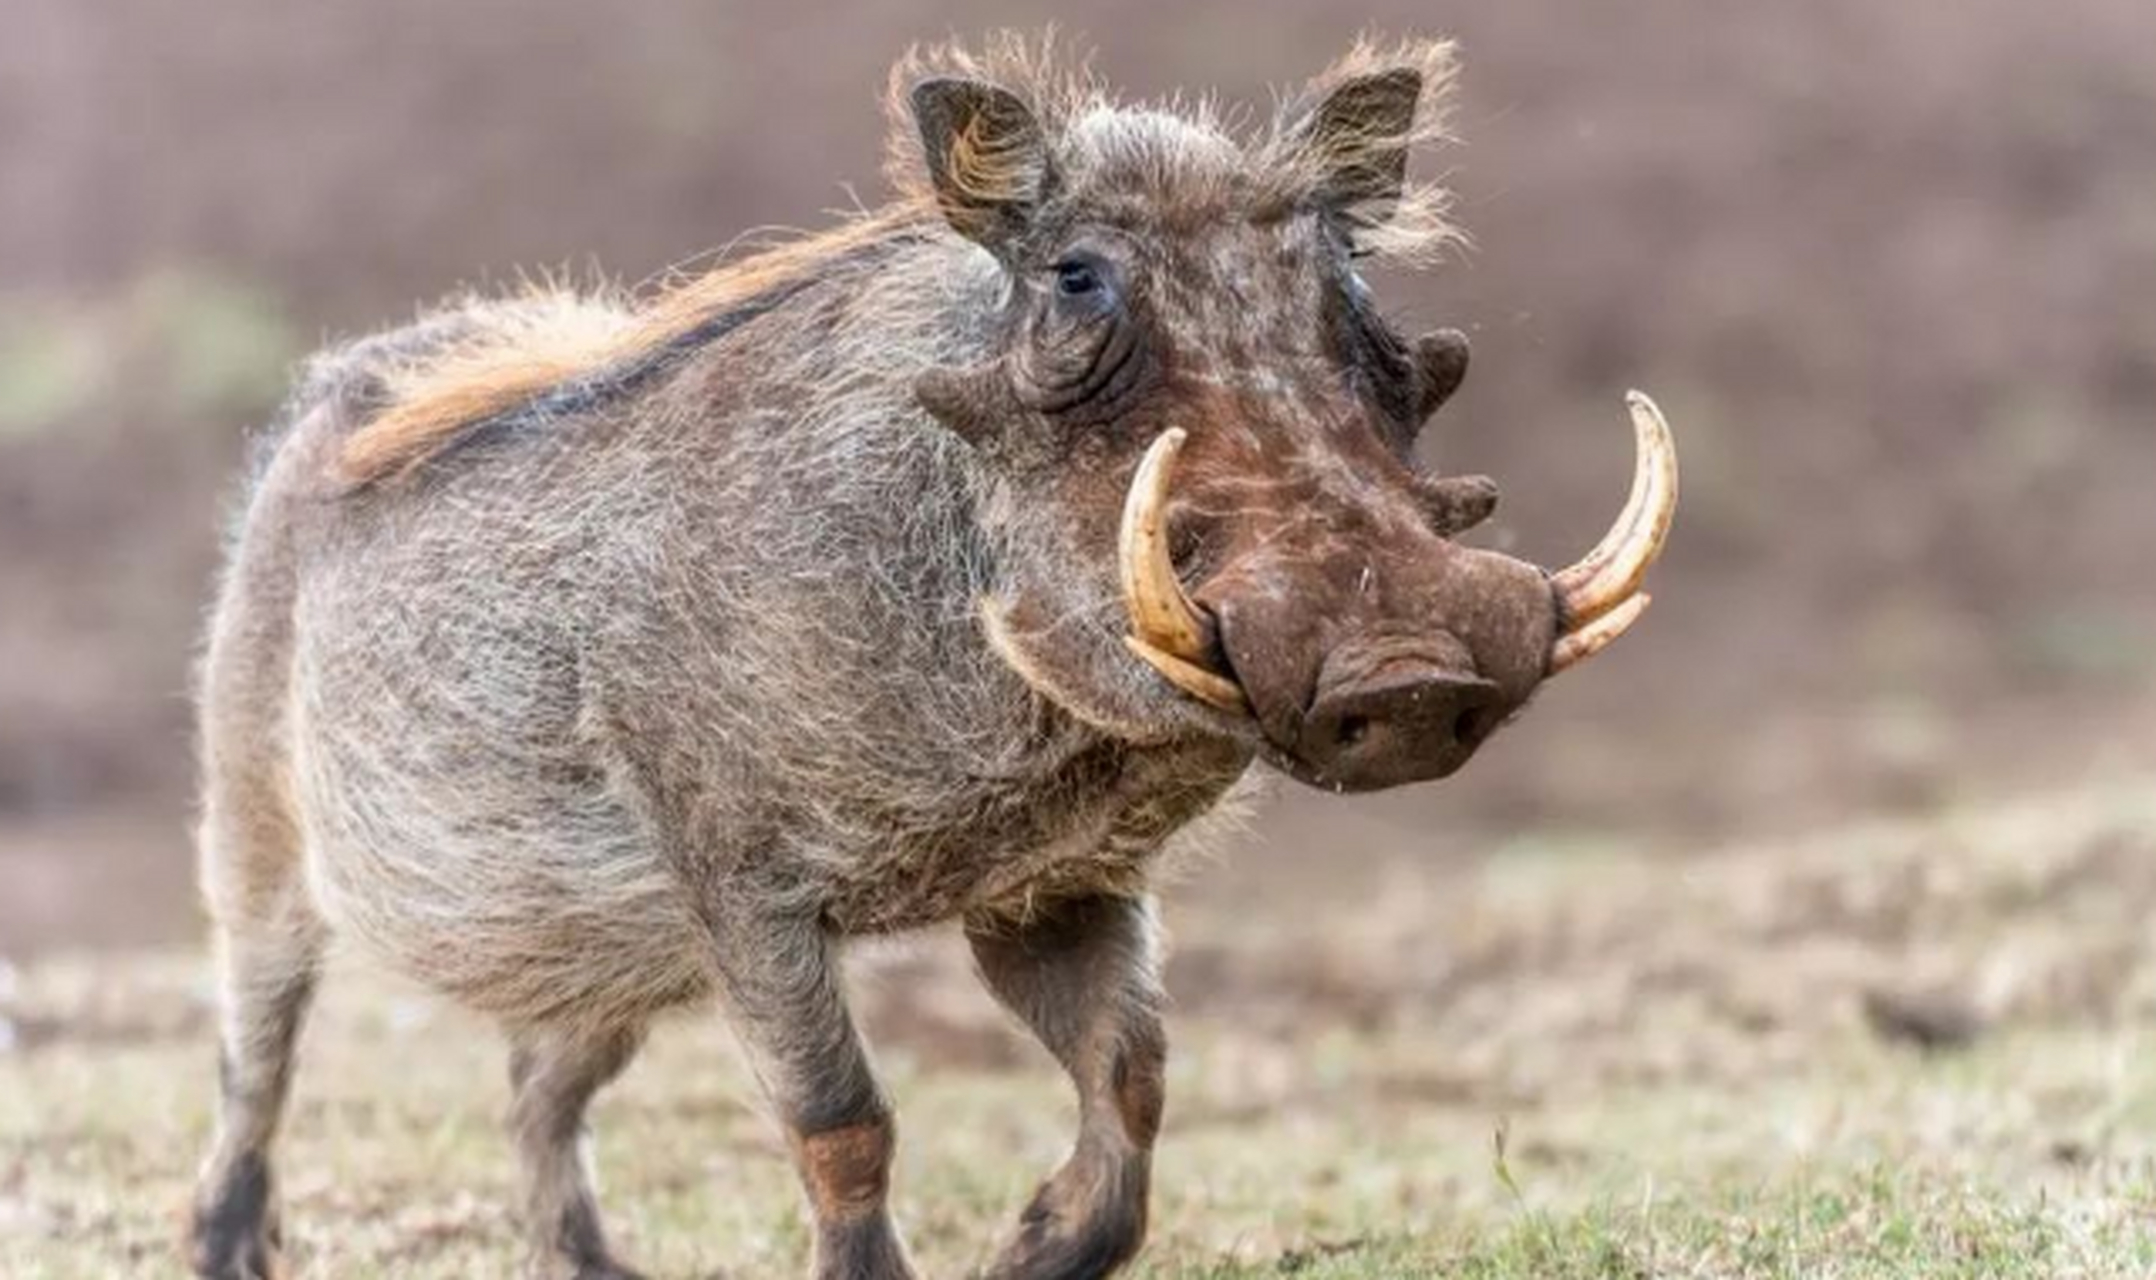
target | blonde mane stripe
[
  {"x": 524, "y": 348},
  {"x": 556, "y": 338}
]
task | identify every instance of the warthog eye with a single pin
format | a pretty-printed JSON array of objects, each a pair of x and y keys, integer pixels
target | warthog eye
[
  {"x": 1082, "y": 340},
  {"x": 1087, "y": 285},
  {"x": 1077, "y": 278}
]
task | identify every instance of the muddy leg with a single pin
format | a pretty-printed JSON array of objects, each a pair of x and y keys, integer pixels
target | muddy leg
[
  {"x": 781, "y": 985},
  {"x": 268, "y": 956},
  {"x": 554, "y": 1076},
  {"x": 1085, "y": 978}
]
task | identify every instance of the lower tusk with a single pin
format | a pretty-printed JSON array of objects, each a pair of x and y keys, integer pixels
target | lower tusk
[
  {"x": 1596, "y": 636},
  {"x": 1205, "y": 686}
]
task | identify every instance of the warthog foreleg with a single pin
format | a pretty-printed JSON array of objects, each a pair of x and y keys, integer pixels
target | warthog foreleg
[
  {"x": 1085, "y": 978},
  {"x": 554, "y": 1075},
  {"x": 780, "y": 982}
]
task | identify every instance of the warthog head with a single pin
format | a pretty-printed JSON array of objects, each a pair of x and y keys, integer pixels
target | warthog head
[{"x": 1188, "y": 369}]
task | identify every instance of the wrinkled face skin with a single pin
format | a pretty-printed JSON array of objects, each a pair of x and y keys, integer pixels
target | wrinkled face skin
[
  {"x": 1154, "y": 285},
  {"x": 1372, "y": 650}
]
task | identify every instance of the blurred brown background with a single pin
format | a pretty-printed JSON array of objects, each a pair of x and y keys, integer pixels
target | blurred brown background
[{"x": 1890, "y": 267}]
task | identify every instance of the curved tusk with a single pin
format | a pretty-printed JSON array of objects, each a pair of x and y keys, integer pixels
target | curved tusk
[
  {"x": 1596, "y": 636},
  {"x": 1199, "y": 683},
  {"x": 1610, "y": 575},
  {"x": 1160, "y": 614}
]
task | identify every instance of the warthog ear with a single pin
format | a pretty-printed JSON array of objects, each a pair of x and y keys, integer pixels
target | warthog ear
[
  {"x": 1356, "y": 141},
  {"x": 986, "y": 155}
]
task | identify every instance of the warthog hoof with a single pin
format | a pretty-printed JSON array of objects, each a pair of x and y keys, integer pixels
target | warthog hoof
[
  {"x": 1083, "y": 1224},
  {"x": 233, "y": 1231}
]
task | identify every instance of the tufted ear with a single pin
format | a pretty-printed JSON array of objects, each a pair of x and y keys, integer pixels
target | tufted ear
[
  {"x": 1343, "y": 146},
  {"x": 1356, "y": 142},
  {"x": 986, "y": 155}
]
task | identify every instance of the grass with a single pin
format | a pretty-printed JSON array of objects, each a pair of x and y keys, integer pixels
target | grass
[{"x": 1583, "y": 1064}]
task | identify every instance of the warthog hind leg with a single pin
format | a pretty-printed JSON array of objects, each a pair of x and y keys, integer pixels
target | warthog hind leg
[
  {"x": 269, "y": 949},
  {"x": 554, "y": 1075}
]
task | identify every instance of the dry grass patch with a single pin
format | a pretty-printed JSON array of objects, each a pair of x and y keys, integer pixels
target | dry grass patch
[{"x": 1686, "y": 1059}]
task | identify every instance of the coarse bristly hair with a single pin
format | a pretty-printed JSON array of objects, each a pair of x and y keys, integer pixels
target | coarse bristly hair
[
  {"x": 552, "y": 338},
  {"x": 784, "y": 605}
]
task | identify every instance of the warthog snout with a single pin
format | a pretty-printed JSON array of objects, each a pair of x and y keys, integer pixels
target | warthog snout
[
  {"x": 1372, "y": 653},
  {"x": 1401, "y": 723}
]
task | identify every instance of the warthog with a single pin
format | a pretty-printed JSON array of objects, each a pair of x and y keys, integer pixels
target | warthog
[{"x": 586, "y": 657}]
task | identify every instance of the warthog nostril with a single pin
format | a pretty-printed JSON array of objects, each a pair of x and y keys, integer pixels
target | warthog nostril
[{"x": 1411, "y": 720}]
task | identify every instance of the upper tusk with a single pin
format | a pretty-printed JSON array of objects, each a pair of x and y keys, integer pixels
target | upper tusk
[
  {"x": 1160, "y": 614},
  {"x": 1610, "y": 575},
  {"x": 1596, "y": 636}
]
